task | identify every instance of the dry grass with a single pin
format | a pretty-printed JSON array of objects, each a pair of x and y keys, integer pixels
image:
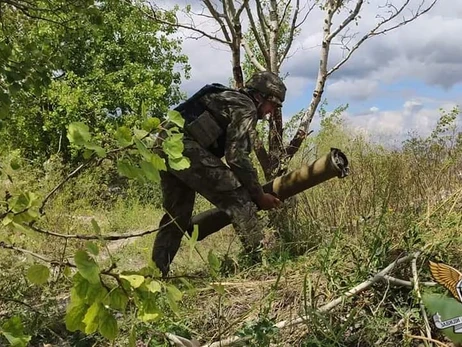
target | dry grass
[{"x": 331, "y": 238}]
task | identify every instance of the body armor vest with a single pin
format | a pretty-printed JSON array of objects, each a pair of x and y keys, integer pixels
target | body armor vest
[{"x": 201, "y": 124}]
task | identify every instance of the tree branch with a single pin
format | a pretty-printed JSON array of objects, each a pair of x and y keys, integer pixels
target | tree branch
[
  {"x": 262, "y": 45},
  {"x": 69, "y": 176},
  {"x": 94, "y": 237},
  {"x": 375, "y": 31},
  {"x": 177, "y": 24},
  {"x": 320, "y": 81},
  {"x": 273, "y": 36},
  {"x": 294, "y": 26},
  {"x": 217, "y": 16},
  {"x": 419, "y": 297},
  {"x": 251, "y": 55},
  {"x": 347, "y": 20},
  {"x": 228, "y": 17},
  {"x": 35, "y": 255},
  {"x": 262, "y": 20}
]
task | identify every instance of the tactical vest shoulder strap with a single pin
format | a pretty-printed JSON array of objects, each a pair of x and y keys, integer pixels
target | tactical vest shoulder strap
[{"x": 191, "y": 108}]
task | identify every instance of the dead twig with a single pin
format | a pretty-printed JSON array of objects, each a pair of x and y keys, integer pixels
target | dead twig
[
  {"x": 439, "y": 343},
  {"x": 419, "y": 298},
  {"x": 287, "y": 323}
]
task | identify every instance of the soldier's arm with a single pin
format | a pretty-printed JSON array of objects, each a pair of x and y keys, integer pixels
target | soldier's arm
[{"x": 239, "y": 143}]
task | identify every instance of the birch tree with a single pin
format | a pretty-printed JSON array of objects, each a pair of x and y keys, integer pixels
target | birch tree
[{"x": 271, "y": 27}]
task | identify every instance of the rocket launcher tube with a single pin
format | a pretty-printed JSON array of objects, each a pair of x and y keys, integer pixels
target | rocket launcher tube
[{"x": 333, "y": 164}]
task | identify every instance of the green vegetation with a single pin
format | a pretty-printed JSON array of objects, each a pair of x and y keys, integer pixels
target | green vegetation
[
  {"x": 395, "y": 202},
  {"x": 85, "y": 92}
]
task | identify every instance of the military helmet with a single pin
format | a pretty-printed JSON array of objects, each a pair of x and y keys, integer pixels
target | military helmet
[{"x": 269, "y": 85}]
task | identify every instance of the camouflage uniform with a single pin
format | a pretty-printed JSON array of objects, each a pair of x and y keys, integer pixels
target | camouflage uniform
[{"x": 232, "y": 188}]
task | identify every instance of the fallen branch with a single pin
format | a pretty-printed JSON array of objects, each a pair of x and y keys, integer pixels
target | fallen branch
[
  {"x": 419, "y": 298},
  {"x": 439, "y": 343},
  {"x": 404, "y": 283},
  {"x": 287, "y": 323}
]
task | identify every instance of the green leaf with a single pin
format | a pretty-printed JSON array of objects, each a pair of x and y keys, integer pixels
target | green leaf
[
  {"x": 140, "y": 134},
  {"x": 78, "y": 133},
  {"x": 23, "y": 201},
  {"x": 13, "y": 330},
  {"x": 95, "y": 293},
  {"x": 158, "y": 162},
  {"x": 87, "y": 267},
  {"x": 8, "y": 219},
  {"x": 179, "y": 163},
  {"x": 91, "y": 318},
  {"x": 132, "y": 337},
  {"x": 118, "y": 300},
  {"x": 150, "y": 171},
  {"x": 192, "y": 241},
  {"x": 100, "y": 151},
  {"x": 74, "y": 316},
  {"x": 95, "y": 226},
  {"x": 214, "y": 262},
  {"x": 145, "y": 153},
  {"x": 123, "y": 136},
  {"x": 175, "y": 117},
  {"x": 87, "y": 154},
  {"x": 38, "y": 274},
  {"x": 174, "y": 292},
  {"x": 173, "y": 296},
  {"x": 108, "y": 325},
  {"x": 173, "y": 146},
  {"x": 219, "y": 288},
  {"x": 447, "y": 308},
  {"x": 134, "y": 280},
  {"x": 80, "y": 288},
  {"x": 154, "y": 286},
  {"x": 92, "y": 248},
  {"x": 127, "y": 169},
  {"x": 14, "y": 163},
  {"x": 150, "y": 124},
  {"x": 147, "y": 304}
]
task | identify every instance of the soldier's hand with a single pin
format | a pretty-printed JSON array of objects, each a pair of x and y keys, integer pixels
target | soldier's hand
[{"x": 268, "y": 202}]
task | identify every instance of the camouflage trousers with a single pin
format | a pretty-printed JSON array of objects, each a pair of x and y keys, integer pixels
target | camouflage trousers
[{"x": 211, "y": 178}]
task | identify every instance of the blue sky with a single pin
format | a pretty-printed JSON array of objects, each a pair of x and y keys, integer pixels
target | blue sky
[{"x": 394, "y": 83}]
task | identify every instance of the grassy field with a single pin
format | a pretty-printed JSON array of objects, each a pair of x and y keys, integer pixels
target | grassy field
[{"x": 327, "y": 240}]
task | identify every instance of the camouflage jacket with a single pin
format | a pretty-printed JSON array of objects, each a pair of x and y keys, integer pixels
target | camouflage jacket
[{"x": 239, "y": 112}]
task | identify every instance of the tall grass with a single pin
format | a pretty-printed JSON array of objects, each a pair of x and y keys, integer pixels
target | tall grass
[{"x": 331, "y": 237}]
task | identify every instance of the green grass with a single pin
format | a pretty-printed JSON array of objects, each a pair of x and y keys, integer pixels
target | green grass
[{"x": 330, "y": 238}]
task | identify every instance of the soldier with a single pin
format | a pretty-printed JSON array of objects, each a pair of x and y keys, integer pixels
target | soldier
[{"x": 219, "y": 122}]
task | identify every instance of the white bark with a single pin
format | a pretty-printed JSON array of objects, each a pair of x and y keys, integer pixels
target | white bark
[{"x": 273, "y": 36}]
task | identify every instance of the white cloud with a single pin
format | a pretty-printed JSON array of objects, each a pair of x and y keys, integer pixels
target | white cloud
[
  {"x": 398, "y": 124},
  {"x": 354, "y": 89},
  {"x": 412, "y": 106},
  {"x": 425, "y": 50}
]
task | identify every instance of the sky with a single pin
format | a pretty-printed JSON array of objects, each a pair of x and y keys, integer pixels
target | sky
[{"x": 394, "y": 83}]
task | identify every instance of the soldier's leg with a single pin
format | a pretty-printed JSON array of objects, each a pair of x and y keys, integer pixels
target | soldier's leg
[
  {"x": 178, "y": 202},
  {"x": 215, "y": 181}
]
